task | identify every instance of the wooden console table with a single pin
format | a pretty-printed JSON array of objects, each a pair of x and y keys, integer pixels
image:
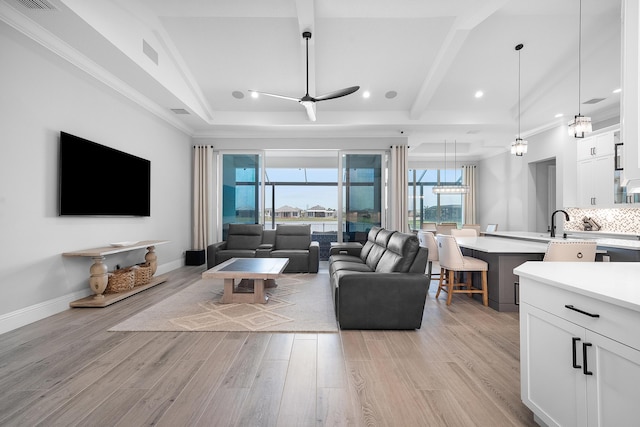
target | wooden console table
[{"x": 98, "y": 276}]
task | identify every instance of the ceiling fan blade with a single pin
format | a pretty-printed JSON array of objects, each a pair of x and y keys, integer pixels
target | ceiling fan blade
[
  {"x": 275, "y": 96},
  {"x": 310, "y": 106},
  {"x": 337, "y": 93}
]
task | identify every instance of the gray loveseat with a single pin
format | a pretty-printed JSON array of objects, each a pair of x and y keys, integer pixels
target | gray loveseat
[
  {"x": 385, "y": 287},
  {"x": 251, "y": 241}
]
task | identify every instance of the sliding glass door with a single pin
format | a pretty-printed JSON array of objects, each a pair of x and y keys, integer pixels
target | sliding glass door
[
  {"x": 241, "y": 190},
  {"x": 362, "y": 194}
]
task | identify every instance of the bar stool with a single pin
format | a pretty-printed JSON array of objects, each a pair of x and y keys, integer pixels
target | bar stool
[
  {"x": 428, "y": 240},
  {"x": 570, "y": 251},
  {"x": 452, "y": 261}
]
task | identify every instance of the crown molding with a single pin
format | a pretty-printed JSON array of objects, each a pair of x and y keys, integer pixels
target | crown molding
[{"x": 40, "y": 35}]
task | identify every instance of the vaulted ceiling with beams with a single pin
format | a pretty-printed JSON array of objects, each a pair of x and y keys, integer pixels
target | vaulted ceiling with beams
[{"x": 193, "y": 63}]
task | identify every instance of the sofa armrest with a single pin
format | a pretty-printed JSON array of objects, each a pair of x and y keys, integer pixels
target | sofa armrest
[
  {"x": 264, "y": 250},
  {"x": 314, "y": 257},
  {"x": 212, "y": 250},
  {"x": 379, "y": 300}
]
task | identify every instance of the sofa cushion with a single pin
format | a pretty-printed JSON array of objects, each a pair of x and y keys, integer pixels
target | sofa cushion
[
  {"x": 401, "y": 250},
  {"x": 377, "y": 250},
  {"x": 244, "y": 236},
  {"x": 348, "y": 266},
  {"x": 297, "y": 237},
  {"x": 224, "y": 255},
  {"x": 371, "y": 241}
]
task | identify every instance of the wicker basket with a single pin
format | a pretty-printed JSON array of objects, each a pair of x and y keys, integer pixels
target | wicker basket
[
  {"x": 142, "y": 274},
  {"x": 120, "y": 281}
]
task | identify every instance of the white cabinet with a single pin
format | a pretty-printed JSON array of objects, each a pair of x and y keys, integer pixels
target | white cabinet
[
  {"x": 576, "y": 369},
  {"x": 596, "y": 146},
  {"x": 596, "y": 182},
  {"x": 595, "y": 170}
]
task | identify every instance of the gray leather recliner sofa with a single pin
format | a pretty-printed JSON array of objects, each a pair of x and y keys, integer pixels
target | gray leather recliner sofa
[
  {"x": 385, "y": 287},
  {"x": 251, "y": 241}
]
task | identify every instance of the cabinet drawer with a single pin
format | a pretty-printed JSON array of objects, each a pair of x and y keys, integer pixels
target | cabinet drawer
[{"x": 613, "y": 321}]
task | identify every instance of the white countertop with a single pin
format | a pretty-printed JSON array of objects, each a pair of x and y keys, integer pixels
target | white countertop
[
  {"x": 498, "y": 245},
  {"x": 602, "y": 242},
  {"x": 613, "y": 282}
]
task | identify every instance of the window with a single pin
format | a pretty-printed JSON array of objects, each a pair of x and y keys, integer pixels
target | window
[{"x": 424, "y": 206}]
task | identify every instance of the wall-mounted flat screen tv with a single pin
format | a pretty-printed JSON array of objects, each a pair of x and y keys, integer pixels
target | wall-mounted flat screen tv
[{"x": 102, "y": 181}]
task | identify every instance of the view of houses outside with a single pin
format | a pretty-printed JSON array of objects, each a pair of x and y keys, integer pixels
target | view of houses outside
[{"x": 310, "y": 196}]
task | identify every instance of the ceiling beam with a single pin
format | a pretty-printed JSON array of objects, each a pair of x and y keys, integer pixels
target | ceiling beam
[{"x": 449, "y": 49}]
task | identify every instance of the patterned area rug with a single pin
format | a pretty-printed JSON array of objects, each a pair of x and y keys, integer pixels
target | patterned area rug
[{"x": 300, "y": 303}]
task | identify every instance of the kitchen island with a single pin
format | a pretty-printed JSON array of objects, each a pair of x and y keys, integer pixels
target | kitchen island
[
  {"x": 620, "y": 247},
  {"x": 579, "y": 346},
  {"x": 503, "y": 255}
]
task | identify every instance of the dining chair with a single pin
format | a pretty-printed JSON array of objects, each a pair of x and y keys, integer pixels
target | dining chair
[
  {"x": 451, "y": 262},
  {"x": 445, "y": 228},
  {"x": 428, "y": 226},
  {"x": 584, "y": 251},
  {"x": 464, "y": 232},
  {"x": 474, "y": 227},
  {"x": 428, "y": 240}
]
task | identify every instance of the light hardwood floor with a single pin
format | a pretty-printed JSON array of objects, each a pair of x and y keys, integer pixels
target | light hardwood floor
[{"x": 460, "y": 369}]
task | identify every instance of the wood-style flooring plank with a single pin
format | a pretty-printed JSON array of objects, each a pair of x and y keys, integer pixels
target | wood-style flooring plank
[
  {"x": 461, "y": 368},
  {"x": 298, "y": 405},
  {"x": 197, "y": 395},
  {"x": 262, "y": 404}
]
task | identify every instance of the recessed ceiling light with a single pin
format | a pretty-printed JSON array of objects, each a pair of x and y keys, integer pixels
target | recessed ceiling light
[
  {"x": 479, "y": 94},
  {"x": 254, "y": 94},
  {"x": 391, "y": 94},
  {"x": 558, "y": 115},
  {"x": 617, "y": 90},
  {"x": 366, "y": 94},
  {"x": 237, "y": 94}
]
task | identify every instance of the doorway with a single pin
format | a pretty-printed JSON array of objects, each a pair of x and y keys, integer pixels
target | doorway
[{"x": 544, "y": 194}]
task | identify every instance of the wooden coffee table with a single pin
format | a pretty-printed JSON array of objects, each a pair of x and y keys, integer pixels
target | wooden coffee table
[{"x": 260, "y": 270}]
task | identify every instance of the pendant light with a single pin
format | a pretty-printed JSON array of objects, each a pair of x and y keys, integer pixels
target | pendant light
[
  {"x": 519, "y": 147},
  {"x": 450, "y": 189},
  {"x": 580, "y": 125}
]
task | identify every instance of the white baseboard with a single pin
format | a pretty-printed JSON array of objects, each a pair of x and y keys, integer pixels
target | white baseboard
[
  {"x": 24, "y": 316},
  {"x": 33, "y": 313}
]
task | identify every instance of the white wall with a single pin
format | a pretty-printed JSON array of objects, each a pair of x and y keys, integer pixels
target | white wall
[
  {"x": 507, "y": 184},
  {"x": 41, "y": 95}
]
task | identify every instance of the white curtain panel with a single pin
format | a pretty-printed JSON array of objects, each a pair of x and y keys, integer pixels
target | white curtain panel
[
  {"x": 398, "y": 193},
  {"x": 202, "y": 196},
  {"x": 469, "y": 178}
]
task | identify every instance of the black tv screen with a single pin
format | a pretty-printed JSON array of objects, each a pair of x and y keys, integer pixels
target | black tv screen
[{"x": 99, "y": 180}]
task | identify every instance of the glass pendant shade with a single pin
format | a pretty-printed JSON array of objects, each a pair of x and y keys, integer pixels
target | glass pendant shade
[
  {"x": 519, "y": 147},
  {"x": 451, "y": 189},
  {"x": 579, "y": 126}
]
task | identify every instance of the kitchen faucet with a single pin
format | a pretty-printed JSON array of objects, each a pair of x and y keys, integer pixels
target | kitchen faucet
[{"x": 553, "y": 221}]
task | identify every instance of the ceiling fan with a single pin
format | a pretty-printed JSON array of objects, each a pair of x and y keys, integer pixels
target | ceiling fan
[{"x": 307, "y": 100}]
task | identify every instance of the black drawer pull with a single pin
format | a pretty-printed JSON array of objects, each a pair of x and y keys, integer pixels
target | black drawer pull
[
  {"x": 585, "y": 370},
  {"x": 573, "y": 348},
  {"x": 570, "y": 307}
]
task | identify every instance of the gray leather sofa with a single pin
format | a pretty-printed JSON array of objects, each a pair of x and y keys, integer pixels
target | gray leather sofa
[
  {"x": 251, "y": 241},
  {"x": 385, "y": 287}
]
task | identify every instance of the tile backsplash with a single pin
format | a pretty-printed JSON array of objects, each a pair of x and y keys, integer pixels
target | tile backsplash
[{"x": 618, "y": 220}]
